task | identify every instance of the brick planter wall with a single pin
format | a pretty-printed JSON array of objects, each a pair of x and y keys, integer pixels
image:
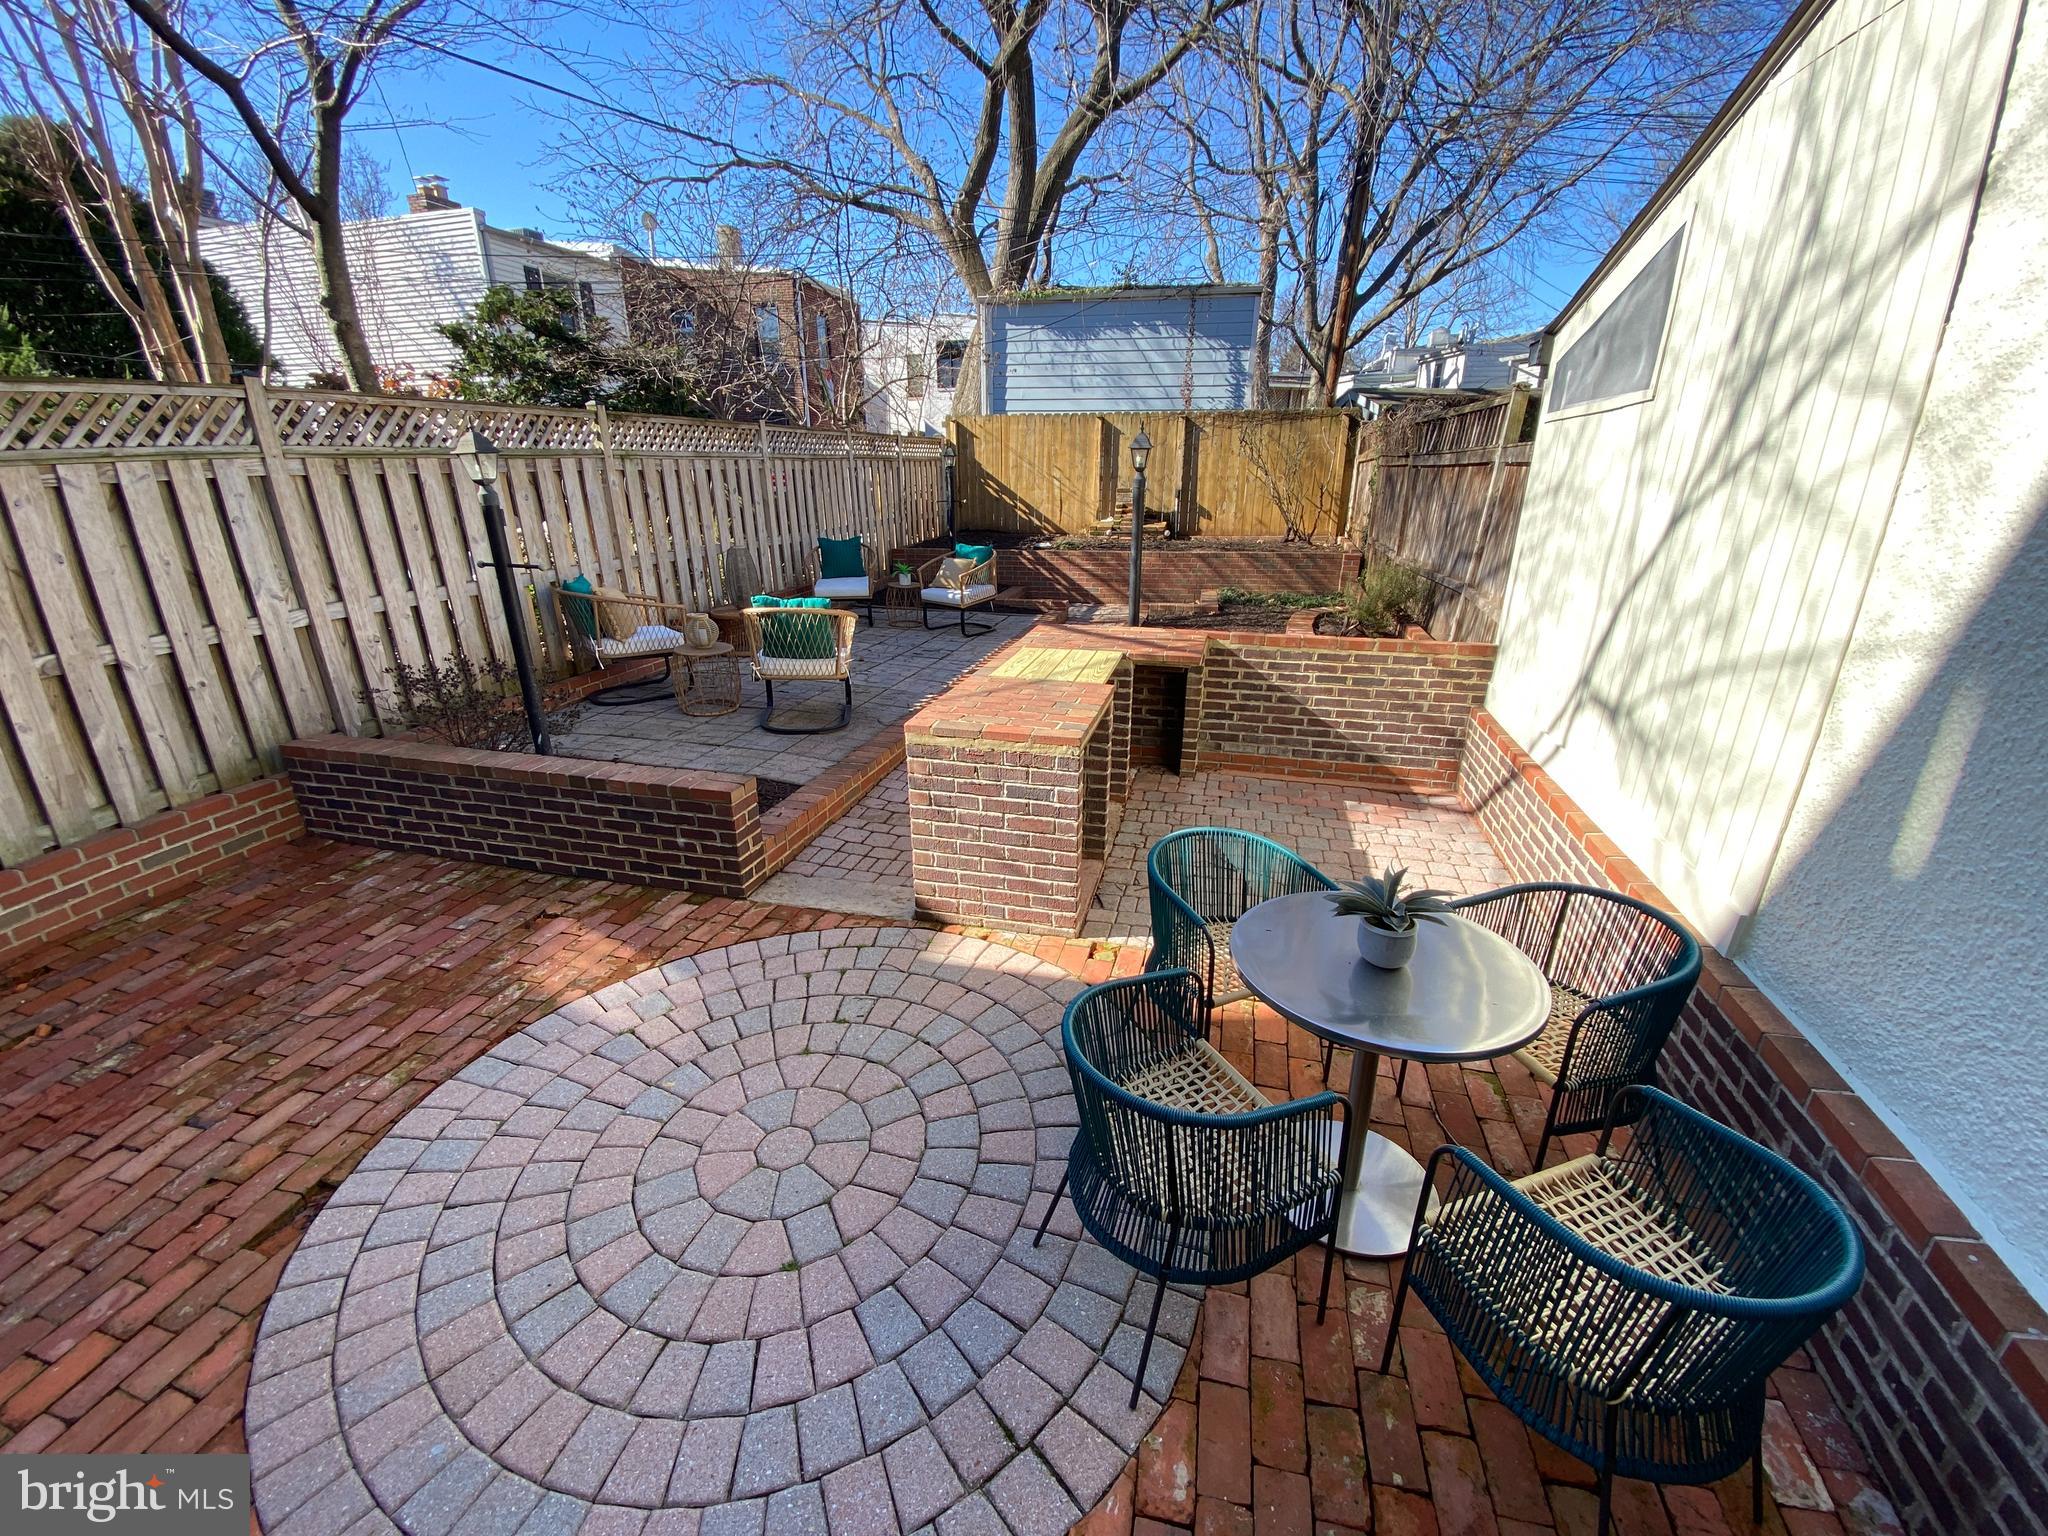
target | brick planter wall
[
  {"x": 1391, "y": 713},
  {"x": 1000, "y": 777},
  {"x": 70, "y": 889},
  {"x": 564, "y": 816},
  {"x": 1174, "y": 573},
  {"x": 1941, "y": 1361}
]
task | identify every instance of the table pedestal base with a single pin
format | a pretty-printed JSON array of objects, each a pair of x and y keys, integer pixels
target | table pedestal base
[{"x": 1377, "y": 1211}]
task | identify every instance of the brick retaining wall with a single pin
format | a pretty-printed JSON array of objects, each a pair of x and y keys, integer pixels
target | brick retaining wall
[
  {"x": 1391, "y": 713},
  {"x": 69, "y": 889},
  {"x": 564, "y": 816},
  {"x": 1174, "y": 573},
  {"x": 1941, "y": 1361}
]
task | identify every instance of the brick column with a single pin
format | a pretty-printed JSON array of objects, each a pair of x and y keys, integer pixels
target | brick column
[{"x": 998, "y": 802}]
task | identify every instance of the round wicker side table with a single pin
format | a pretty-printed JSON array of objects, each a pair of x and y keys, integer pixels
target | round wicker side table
[
  {"x": 707, "y": 679},
  {"x": 900, "y": 603}
]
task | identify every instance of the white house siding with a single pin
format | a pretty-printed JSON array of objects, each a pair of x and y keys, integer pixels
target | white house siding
[
  {"x": 1902, "y": 925},
  {"x": 507, "y": 255},
  {"x": 1689, "y": 566},
  {"x": 1770, "y": 673},
  {"x": 413, "y": 274},
  {"x": 1123, "y": 352},
  {"x": 886, "y": 350}
]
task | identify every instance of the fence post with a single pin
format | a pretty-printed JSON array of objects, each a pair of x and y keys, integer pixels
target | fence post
[{"x": 263, "y": 429}]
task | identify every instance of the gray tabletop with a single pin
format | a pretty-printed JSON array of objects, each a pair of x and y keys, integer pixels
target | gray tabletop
[{"x": 1467, "y": 994}]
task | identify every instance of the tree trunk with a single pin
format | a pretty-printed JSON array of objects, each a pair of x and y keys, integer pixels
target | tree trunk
[
  {"x": 337, "y": 284},
  {"x": 1262, "y": 327}
]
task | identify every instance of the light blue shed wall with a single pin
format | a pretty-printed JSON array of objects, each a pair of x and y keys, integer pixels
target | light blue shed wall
[{"x": 1123, "y": 353}]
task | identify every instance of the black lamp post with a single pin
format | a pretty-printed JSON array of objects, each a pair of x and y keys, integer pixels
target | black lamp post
[
  {"x": 478, "y": 456},
  {"x": 1141, "y": 450}
]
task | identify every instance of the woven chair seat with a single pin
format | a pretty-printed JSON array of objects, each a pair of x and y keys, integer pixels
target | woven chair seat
[
  {"x": 1544, "y": 1056},
  {"x": 1230, "y": 987},
  {"x": 793, "y": 669},
  {"x": 1586, "y": 1196},
  {"x": 1198, "y": 1081}
]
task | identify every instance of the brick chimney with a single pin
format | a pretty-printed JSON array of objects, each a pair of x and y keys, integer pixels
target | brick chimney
[
  {"x": 429, "y": 193},
  {"x": 728, "y": 246}
]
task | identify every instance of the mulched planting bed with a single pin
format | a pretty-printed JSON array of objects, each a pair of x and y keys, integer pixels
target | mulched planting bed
[{"x": 772, "y": 792}]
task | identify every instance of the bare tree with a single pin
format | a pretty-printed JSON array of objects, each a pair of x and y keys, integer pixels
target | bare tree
[
  {"x": 1384, "y": 151},
  {"x": 291, "y": 77},
  {"x": 104, "y": 94},
  {"x": 981, "y": 126}
]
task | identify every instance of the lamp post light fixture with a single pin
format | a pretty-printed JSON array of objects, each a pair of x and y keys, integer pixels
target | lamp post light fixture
[
  {"x": 1141, "y": 450},
  {"x": 478, "y": 457}
]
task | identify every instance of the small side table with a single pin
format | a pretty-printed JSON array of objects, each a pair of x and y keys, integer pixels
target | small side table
[
  {"x": 900, "y": 604},
  {"x": 707, "y": 679}
]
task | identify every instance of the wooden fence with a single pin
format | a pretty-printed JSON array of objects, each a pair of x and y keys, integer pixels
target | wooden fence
[
  {"x": 194, "y": 575},
  {"x": 1246, "y": 474},
  {"x": 1443, "y": 492}
]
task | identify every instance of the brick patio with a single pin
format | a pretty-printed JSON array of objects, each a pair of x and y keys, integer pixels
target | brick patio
[{"x": 187, "y": 1086}]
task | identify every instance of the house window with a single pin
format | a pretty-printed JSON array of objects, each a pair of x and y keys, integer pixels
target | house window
[
  {"x": 950, "y": 355},
  {"x": 685, "y": 322},
  {"x": 914, "y": 373},
  {"x": 1615, "y": 358},
  {"x": 819, "y": 327},
  {"x": 533, "y": 280},
  {"x": 586, "y": 298},
  {"x": 768, "y": 332}
]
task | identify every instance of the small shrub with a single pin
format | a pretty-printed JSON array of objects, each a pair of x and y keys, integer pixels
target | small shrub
[
  {"x": 1385, "y": 596},
  {"x": 470, "y": 703},
  {"x": 1291, "y": 602}
]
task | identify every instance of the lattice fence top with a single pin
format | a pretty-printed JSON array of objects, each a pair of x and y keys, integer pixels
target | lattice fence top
[
  {"x": 92, "y": 418},
  {"x": 106, "y": 418}
]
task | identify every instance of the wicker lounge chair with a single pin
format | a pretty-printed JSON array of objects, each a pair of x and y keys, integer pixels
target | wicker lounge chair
[
  {"x": 1630, "y": 1305},
  {"x": 1180, "y": 1167},
  {"x": 605, "y": 627},
  {"x": 849, "y": 589},
  {"x": 1619, "y": 971},
  {"x": 802, "y": 645},
  {"x": 951, "y": 583}
]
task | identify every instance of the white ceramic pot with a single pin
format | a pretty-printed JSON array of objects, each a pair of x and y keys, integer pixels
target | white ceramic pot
[{"x": 1388, "y": 951}]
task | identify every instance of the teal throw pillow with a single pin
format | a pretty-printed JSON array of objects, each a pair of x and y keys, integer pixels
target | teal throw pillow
[
  {"x": 794, "y": 634},
  {"x": 977, "y": 554},
  {"x": 839, "y": 559},
  {"x": 582, "y": 615},
  {"x": 763, "y": 600}
]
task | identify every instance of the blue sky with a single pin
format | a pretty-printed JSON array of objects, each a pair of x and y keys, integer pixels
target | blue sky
[{"x": 489, "y": 138}]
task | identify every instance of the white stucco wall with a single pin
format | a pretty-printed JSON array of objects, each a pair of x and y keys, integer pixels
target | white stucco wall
[{"x": 1905, "y": 923}]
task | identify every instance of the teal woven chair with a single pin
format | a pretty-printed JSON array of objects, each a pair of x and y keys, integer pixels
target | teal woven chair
[
  {"x": 1203, "y": 879},
  {"x": 1180, "y": 1167},
  {"x": 1619, "y": 972},
  {"x": 1629, "y": 1306}
]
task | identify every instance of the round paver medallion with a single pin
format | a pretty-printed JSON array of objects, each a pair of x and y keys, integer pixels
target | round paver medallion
[{"x": 741, "y": 1244}]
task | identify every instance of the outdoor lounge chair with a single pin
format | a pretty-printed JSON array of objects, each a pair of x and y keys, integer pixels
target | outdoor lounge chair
[
  {"x": 846, "y": 572},
  {"x": 1629, "y": 1306},
  {"x": 605, "y": 627},
  {"x": 1619, "y": 972},
  {"x": 802, "y": 645},
  {"x": 1180, "y": 1167},
  {"x": 957, "y": 584}
]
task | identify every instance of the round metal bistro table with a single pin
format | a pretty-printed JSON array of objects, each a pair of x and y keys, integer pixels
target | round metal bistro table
[{"x": 1468, "y": 994}]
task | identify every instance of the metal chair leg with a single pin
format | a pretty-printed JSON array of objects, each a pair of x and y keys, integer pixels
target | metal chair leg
[
  {"x": 1756, "y": 1479},
  {"x": 1394, "y": 1321},
  {"x": 1151, "y": 1328},
  {"x": 1329, "y": 1263},
  {"x": 1051, "y": 1206}
]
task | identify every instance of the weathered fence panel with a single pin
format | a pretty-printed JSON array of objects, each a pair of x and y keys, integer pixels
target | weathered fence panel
[
  {"x": 1244, "y": 474},
  {"x": 190, "y": 576},
  {"x": 1443, "y": 493}
]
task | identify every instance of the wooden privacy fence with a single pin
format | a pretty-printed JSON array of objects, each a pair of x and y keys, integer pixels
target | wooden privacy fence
[
  {"x": 1443, "y": 492},
  {"x": 194, "y": 575},
  {"x": 1247, "y": 474}
]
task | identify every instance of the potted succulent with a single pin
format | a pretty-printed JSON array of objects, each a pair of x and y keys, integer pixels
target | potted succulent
[
  {"x": 1386, "y": 937},
  {"x": 903, "y": 574}
]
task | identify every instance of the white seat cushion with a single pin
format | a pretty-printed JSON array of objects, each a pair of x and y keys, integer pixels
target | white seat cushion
[
  {"x": 647, "y": 640},
  {"x": 842, "y": 586},
  {"x": 782, "y": 669},
  {"x": 980, "y": 592}
]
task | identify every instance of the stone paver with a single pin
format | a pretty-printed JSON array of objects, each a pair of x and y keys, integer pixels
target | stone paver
[
  {"x": 895, "y": 671},
  {"x": 629, "y": 1281}
]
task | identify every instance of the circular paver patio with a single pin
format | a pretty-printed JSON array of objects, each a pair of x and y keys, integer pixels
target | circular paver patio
[{"x": 742, "y": 1244}]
